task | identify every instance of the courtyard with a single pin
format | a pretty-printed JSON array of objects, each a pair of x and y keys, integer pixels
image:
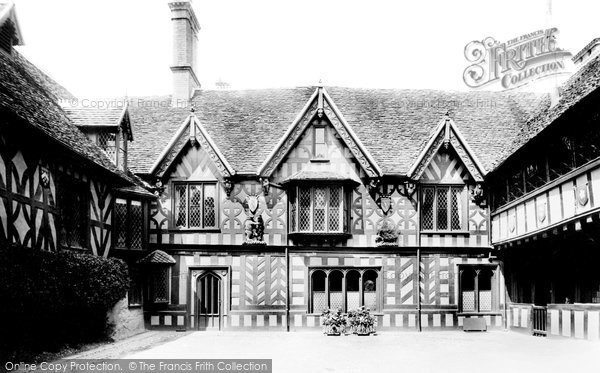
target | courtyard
[{"x": 495, "y": 351}]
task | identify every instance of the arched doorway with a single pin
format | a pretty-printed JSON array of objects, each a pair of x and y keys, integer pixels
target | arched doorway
[{"x": 208, "y": 305}]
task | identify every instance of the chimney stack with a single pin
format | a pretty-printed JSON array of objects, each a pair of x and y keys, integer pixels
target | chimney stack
[{"x": 185, "y": 37}]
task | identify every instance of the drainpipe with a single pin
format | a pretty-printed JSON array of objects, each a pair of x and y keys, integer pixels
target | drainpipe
[
  {"x": 419, "y": 289},
  {"x": 418, "y": 262},
  {"x": 287, "y": 289}
]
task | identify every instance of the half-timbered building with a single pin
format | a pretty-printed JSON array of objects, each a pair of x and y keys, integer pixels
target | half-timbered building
[{"x": 436, "y": 210}]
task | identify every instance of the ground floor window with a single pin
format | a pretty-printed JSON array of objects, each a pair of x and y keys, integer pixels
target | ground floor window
[
  {"x": 477, "y": 288},
  {"x": 134, "y": 294},
  {"x": 345, "y": 288},
  {"x": 159, "y": 284}
]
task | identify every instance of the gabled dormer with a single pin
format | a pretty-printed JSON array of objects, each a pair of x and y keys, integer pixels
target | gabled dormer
[
  {"x": 450, "y": 176},
  {"x": 109, "y": 128},
  {"x": 10, "y": 32}
]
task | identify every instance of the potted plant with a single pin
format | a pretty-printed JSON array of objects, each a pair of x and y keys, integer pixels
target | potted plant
[
  {"x": 387, "y": 235},
  {"x": 361, "y": 321},
  {"x": 333, "y": 321}
]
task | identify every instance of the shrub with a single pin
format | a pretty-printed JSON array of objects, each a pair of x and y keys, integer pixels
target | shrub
[
  {"x": 387, "y": 234},
  {"x": 56, "y": 299}
]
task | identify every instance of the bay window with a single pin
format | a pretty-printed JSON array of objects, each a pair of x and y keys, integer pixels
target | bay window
[
  {"x": 443, "y": 208},
  {"x": 318, "y": 209}
]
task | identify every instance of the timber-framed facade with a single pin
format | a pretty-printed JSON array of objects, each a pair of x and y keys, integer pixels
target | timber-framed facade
[{"x": 259, "y": 209}]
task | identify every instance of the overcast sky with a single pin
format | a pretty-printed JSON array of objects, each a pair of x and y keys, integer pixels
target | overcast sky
[{"x": 112, "y": 47}]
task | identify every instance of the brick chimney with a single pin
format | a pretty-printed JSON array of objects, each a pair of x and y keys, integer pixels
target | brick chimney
[{"x": 185, "y": 37}]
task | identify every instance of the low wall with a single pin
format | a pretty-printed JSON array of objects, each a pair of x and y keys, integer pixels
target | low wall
[
  {"x": 127, "y": 321},
  {"x": 581, "y": 321},
  {"x": 519, "y": 317}
]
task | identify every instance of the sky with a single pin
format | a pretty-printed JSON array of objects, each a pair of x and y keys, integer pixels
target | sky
[{"x": 112, "y": 48}]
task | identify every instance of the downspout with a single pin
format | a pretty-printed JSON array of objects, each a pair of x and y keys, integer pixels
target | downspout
[
  {"x": 287, "y": 289},
  {"x": 419, "y": 287},
  {"x": 418, "y": 262}
]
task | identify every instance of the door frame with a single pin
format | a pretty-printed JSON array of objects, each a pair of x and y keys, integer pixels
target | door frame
[{"x": 196, "y": 271}]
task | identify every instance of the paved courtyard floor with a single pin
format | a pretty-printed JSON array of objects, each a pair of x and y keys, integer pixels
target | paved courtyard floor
[{"x": 449, "y": 351}]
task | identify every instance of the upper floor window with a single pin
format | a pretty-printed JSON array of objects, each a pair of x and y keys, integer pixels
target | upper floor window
[
  {"x": 443, "y": 208},
  {"x": 72, "y": 204},
  {"x": 129, "y": 224},
  {"x": 195, "y": 205},
  {"x": 318, "y": 209},
  {"x": 319, "y": 143},
  {"x": 115, "y": 146}
]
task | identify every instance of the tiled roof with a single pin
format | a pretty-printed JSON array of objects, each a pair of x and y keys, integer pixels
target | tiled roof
[
  {"x": 157, "y": 257},
  {"x": 57, "y": 91},
  {"x": 245, "y": 125},
  {"x": 585, "y": 81},
  {"x": 32, "y": 96},
  {"x": 94, "y": 116},
  {"x": 394, "y": 125}
]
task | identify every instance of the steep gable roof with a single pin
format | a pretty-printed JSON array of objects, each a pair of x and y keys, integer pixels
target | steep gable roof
[
  {"x": 319, "y": 104},
  {"x": 447, "y": 134},
  {"x": 392, "y": 125},
  {"x": 191, "y": 131},
  {"x": 30, "y": 99}
]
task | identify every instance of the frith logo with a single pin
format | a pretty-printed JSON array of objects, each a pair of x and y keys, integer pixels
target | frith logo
[{"x": 514, "y": 63}]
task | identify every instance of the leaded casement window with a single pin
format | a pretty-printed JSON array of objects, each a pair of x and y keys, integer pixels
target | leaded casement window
[
  {"x": 160, "y": 283},
  {"x": 318, "y": 209},
  {"x": 134, "y": 294},
  {"x": 107, "y": 141},
  {"x": 443, "y": 208},
  {"x": 345, "y": 288},
  {"x": 115, "y": 145},
  {"x": 73, "y": 208},
  {"x": 477, "y": 288},
  {"x": 128, "y": 224},
  {"x": 195, "y": 205}
]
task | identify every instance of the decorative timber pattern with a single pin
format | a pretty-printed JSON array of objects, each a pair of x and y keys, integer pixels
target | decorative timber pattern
[
  {"x": 568, "y": 200},
  {"x": 445, "y": 168},
  {"x": 29, "y": 215},
  {"x": 101, "y": 208},
  {"x": 460, "y": 150}
]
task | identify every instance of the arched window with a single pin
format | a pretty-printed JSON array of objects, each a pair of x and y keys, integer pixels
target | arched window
[
  {"x": 336, "y": 295},
  {"x": 319, "y": 297},
  {"x": 370, "y": 289},
  {"x": 352, "y": 289},
  {"x": 485, "y": 289},
  {"x": 467, "y": 285},
  {"x": 345, "y": 288}
]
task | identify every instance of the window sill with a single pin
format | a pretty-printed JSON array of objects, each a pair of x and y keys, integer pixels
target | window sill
[
  {"x": 462, "y": 233},
  {"x": 483, "y": 313},
  {"x": 135, "y": 306},
  {"x": 195, "y": 230},
  {"x": 319, "y": 160}
]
